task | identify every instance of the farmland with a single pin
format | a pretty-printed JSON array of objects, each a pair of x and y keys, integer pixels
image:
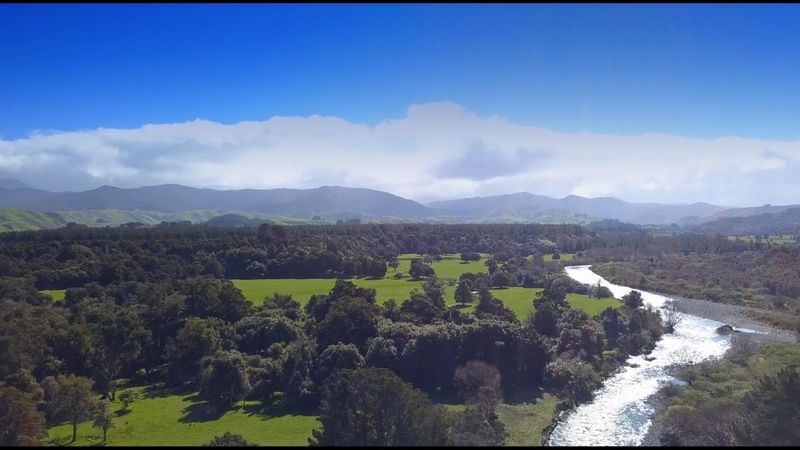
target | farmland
[
  {"x": 518, "y": 299},
  {"x": 169, "y": 418}
]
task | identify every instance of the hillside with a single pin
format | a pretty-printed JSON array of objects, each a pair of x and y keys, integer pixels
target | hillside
[
  {"x": 787, "y": 221},
  {"x": 327, "y": 200},
  {"x": 16, "y": 219},
  {"x": 171, "y": 202},
  {"x": 528, "y": 206}
]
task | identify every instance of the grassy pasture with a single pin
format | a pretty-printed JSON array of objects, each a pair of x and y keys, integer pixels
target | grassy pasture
[
  {"x": 518, "y": 299},
  {"x": 525, "y": 421},
  {"x": 166, "y": 418},
  {"x": 56, "y": 294},
  {"x": 565, "y": 257},
  {"x": 301, "y": 289}
]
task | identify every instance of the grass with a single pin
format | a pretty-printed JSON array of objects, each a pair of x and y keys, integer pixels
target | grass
[
  {"x": 454, "y": 407},
  {"x": 301, "y": 289},
  {"x": 518, "y": 299},
  {"x": 524, "y": 422},
  {"x": 592, "y": 305},
  {"x": 56, "y": 294},
  {"x": 17, "y": 219},
  {"x": 166, "y": 419},
  {"x": 565, "y": 257}
]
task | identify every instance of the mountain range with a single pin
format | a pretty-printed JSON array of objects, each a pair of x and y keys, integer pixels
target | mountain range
[{"x": 331, "y": 203}]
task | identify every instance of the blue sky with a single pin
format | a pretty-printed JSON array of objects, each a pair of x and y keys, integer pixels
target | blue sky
[
  {"x": 693, "y": 70},
  {"x": 669, "y": 103}
]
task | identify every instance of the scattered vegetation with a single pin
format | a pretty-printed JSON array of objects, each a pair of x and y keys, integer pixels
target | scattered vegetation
[{"x": 748, "y": 398}]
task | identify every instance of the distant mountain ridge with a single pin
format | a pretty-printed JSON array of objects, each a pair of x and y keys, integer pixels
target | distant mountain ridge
[
  {"x": 785, "y": 220},
  {"x": 332, "y": 203},
  {"x": 526, "y": 204}
]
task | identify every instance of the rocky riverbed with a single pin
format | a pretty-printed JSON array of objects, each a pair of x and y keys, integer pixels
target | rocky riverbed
[{"x": 732, "y": 315}]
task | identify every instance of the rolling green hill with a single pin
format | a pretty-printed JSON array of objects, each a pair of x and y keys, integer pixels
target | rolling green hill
[{"x": 17, "y": 219}]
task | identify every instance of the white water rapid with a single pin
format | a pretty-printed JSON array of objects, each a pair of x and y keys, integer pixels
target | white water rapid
[{"x": 618, "y": 414}]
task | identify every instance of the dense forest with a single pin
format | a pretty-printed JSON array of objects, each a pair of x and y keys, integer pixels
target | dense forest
[
  {"x": 58, "y": 259},
  {"x": 154, "y": 307},
  {"x": 155, "y": 310}
]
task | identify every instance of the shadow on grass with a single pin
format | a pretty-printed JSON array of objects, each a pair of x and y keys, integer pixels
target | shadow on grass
[
  {"x": 202, "y": 412},
  {"x": 122, "y": 412},
  {"x": 460, "y": 305},
  {"x": 446, "y": 396},
  {"x": 93, "y": 441},
  {"x": 525, "y": 394},
  {"x": 160, "y": 390},
  {"x": 262, "y": 411}
]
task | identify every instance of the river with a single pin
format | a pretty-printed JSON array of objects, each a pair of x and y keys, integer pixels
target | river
[{"x": 619, "y": 414}]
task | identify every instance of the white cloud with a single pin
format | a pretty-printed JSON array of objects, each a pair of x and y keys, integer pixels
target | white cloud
[{"x": 439, "y": 150}]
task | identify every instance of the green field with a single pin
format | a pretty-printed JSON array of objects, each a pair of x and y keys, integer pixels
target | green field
[
  {"x": 170, "y": 419},
  {"x": 301, "y": 289},
  {"x": 525, "y": 421},
  {"x": 565, "y": 257},
  {"x": 17, "y": 219},
  {"x": 518, "y": 299},
  {"x": 56, "y": 294}
]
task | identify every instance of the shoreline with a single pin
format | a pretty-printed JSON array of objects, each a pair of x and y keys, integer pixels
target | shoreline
[{"x": 733, "y": 315}]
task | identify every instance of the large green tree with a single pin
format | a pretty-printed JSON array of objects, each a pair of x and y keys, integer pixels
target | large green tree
[
  {"x": 374, "y": 406},
  {"x": 118, "y": 336},
  {"x": 224, "y": 379},
  {"x": 463, "y": 293},
  {"x": 104, "y": 418},
  {"x": 74, "y": 398}
]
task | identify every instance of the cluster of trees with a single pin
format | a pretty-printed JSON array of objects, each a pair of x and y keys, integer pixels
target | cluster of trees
[
  {"x": 373, "y": 406},
  {"x": 26, "y": 406},
  {"x": 749, "y": 398},
  {"x": 64, "y": 258},
  {"x": 200, "y": 332},
  {"x": 167, "y": 317}
]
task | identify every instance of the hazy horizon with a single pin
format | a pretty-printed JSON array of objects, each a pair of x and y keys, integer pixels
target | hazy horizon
[{"x": 646, "y": 103}]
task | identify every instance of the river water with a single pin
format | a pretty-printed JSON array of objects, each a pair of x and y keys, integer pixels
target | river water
[{"x": 619, "y": 414}]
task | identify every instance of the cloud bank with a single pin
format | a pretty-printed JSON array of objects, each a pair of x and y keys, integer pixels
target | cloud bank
[{"x": 437, "y": 151}]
